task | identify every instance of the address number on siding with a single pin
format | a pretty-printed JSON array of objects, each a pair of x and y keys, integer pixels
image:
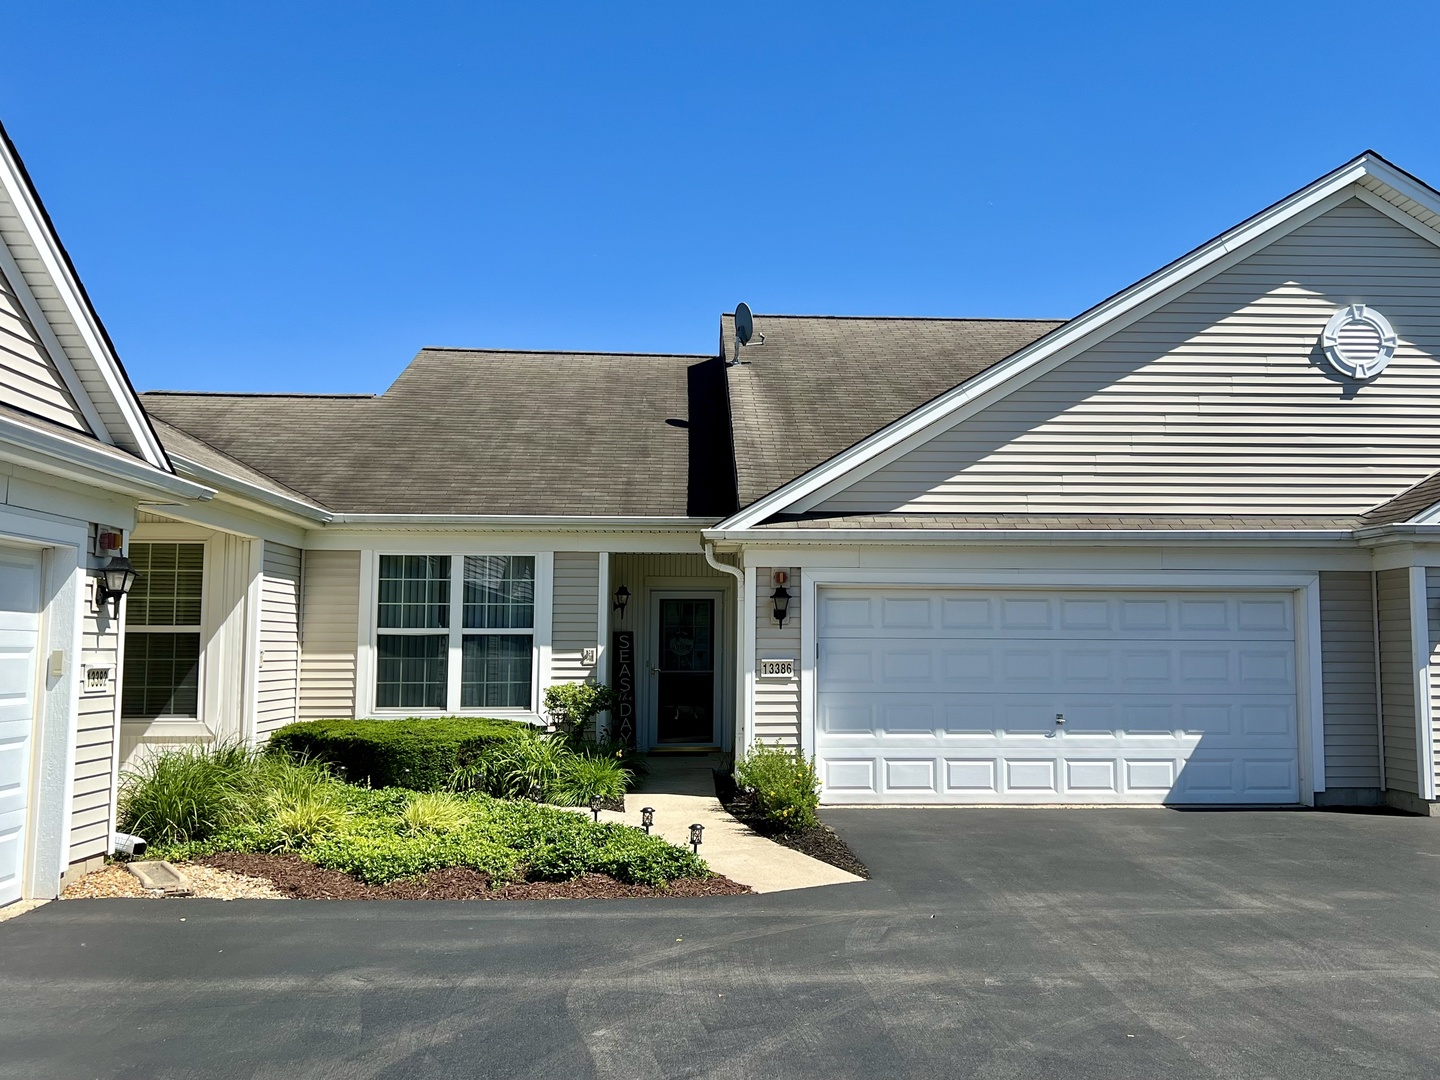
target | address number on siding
[{"x": 777, "y": 669}]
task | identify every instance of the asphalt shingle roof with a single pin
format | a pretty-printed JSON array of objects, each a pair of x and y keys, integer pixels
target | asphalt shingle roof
[
  {"x": 820, "y": 384},
  {"x": 488, "y": 432}
]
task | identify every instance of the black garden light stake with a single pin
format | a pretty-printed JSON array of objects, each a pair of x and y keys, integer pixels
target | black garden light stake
[
  {"x": 595, "y": 806},
  {"x": 647, "y": 818},
  {"x": 695, "y": 833}
]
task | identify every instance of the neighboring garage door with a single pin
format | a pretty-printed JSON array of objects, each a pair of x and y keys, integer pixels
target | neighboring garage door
[
  {"x": 951, "y": 696},
  {"x": 19, "y": 642}
]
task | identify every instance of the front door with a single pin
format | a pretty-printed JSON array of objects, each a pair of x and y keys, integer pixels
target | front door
[{"x": 685, "y": 675}]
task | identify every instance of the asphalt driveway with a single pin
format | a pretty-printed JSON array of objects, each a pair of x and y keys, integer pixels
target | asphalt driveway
[{"x": 1021, "y": 944}]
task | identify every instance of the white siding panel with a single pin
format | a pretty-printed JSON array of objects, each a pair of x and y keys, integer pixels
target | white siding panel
[
  {"x": 329, "y": 626},
  {"x": 576, "y": 614},
  {"x": 1347, "y": 644},
  {"x": 278, "y": 679},
  {"x": 29, "y": 379},
  {"x": 96, "y": 731},
  {"x": 1219, "y": 402},
  {"x": 1397, "y": 680},
  {"x": 777, "y": 701}
]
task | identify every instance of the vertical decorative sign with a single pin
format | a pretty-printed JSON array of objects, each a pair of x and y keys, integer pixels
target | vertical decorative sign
[{"x": 622, "y": 715}]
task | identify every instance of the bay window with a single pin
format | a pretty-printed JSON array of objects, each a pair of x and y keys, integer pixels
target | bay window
[{"x": 455, "y": 633}]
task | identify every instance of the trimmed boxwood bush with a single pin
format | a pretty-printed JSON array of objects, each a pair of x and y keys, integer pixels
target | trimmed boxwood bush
[{"x": 419, "y": 754}]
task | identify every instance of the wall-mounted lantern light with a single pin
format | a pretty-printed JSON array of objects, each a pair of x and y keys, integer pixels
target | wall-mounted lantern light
[
  {"x": 696, "y": 831},
  {"x": 115, "y": 580},
  {"x": 622, "y": 598},
  {"x": 647, "y": 818},
  {"x": 781, "y": 599}
]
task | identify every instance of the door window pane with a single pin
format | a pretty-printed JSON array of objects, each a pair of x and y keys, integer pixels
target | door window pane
[
  {"x": 499, "y": 592},
  {"x": 495, "y": 671},
  {"x": 686, "y": 635},
  {"x": 414, "y": 592},
  {"x": 168, "y": 584},
  {"x": 410, "y": 671},
  {"x": 162, "y": 676}
]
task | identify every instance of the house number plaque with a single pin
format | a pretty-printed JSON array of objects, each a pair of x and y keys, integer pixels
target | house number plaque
[{"x": 777, "y": 669}]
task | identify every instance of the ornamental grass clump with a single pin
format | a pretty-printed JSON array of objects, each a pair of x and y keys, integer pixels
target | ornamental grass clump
[
  {"x": 784, "y": 784},
  {"x": 434, "y": 812}
]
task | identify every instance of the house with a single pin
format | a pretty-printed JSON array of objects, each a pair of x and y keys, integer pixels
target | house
[{"x": 1181, "y": 548}]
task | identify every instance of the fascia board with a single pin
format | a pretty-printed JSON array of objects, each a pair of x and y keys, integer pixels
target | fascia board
[
  {"x": 103, "y": 468},
  {"x": 1293, "y": 537},
  {"x": 523, "y": 521},
  {"x": 253, "y": 493},
  {"x": 54, "y": 265},
  {"x": 1081, "y": 332}
]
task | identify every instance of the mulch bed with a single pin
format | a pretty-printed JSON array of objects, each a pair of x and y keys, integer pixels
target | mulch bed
[
  {"x": 821, "y": 842},
  {"x": 297, "y": 878}
]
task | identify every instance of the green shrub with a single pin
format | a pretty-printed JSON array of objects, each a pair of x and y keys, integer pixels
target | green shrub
[
  {"x": 572, "y": 707},
  {"x": 180, "y": 795},
  {"x": 526, "y": 767},
  {"x": 583, "y": 778},
  {"x": 434, "y": 811},
  {"x": 784, "y": 783},
  {"x": 418, "y": 754}
]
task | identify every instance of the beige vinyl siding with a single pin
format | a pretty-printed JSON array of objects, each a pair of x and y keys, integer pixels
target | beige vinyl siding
[
  {"x": 329, "y": 629},
  {"x": 1218, "y": 402},
  {"x": 278, "y": 679},
  {"x": 777, "y": 701},
  {"x": 95, "y": 734},
  {"x": 29, "y": 379},
  {"x": 575, "y": 614},
  {"x": 15, "y": 236},
  {"x": 1347, "y": 647},
  {"x": 1432, "y": 608},
  {"x": 1397, "y": 680}
]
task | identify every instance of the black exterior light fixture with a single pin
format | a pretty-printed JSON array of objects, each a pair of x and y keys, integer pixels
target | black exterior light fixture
[
  {"x": 647, "y": 818},
  {"x": 781, "y": 599},
  {"x": 622, "y": 598},
  {"x": 115, "y": 579},
  {"x": 696, "y": 831},
  {"x": 596, "y": 805}
]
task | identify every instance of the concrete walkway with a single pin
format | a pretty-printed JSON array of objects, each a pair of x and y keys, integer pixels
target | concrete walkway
[{"x": 681, "y": 790}]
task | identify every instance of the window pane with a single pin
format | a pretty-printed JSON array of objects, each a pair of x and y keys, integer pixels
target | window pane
[
  {"x": 168, "y": 585},
  {"x": 162, "y": 676},
  {"x": 414, "y": 592},
  {"x": 499, "y": 592},
  {"x": 411, "y": 671},
  {"x": 495, "y": 671}
]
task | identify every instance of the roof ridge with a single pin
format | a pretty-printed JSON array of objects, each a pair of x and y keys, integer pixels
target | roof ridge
[
  {"x": 251, "y": 393},
  {"x": 568, "y": 352},
  {"x": 902, "y": 318}
]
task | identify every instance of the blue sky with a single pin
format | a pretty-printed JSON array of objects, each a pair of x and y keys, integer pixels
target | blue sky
[{"x": 298, "y": 196}]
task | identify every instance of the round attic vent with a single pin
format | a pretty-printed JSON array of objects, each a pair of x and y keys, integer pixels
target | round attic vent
[{"x": 1358, "y": 342}]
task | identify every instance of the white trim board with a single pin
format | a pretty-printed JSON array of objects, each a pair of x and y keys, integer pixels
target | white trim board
[{"x": 1085, "y": 331}]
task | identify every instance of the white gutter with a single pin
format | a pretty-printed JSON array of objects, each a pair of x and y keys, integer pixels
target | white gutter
[
  {"x": 99, "y": 465},
  {"x": 563, "y": 521},
  {"x": 742, "y": 615},
  {"x": 254, "y": 492},
  {"x": 1023, "y": 536}
]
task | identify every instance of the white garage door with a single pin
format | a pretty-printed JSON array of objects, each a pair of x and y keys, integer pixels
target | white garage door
[
  {"x": 953, "y": 695},
  {"x": 19, "y": 642}
]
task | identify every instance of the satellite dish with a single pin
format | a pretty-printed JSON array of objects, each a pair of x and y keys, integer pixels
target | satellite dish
[{"x": 744, "y": 324}]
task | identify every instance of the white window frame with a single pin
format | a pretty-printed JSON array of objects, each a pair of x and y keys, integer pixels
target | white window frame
[
  {"x": 175, "y": 724},
  {"x": 367, "y": 663}
]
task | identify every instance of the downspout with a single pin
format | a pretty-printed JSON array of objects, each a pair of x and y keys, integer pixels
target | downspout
[
  {"x": 1379, "y": 679},
  {"x": 740, "y": 616}
]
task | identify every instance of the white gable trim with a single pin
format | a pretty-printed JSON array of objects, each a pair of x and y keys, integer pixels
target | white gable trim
[
  {"x": 56, "y": 269},
  {"x": 1084, "y": 331}
]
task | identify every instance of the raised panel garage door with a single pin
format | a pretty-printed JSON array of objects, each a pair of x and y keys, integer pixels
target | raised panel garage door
[
  {"x": 19, "y": 642},
  {"x": 952, "y": 696}
]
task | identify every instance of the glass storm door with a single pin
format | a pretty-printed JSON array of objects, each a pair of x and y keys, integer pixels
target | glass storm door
[{"x": 685, "y": 673}]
